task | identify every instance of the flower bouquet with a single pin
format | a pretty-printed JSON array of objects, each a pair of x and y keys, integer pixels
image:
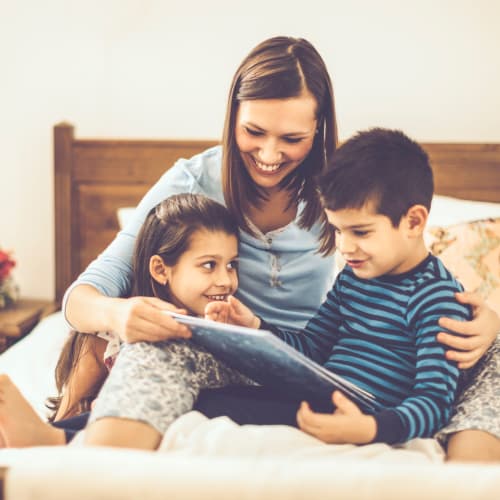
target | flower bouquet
[{"x": 9, "y": 291}]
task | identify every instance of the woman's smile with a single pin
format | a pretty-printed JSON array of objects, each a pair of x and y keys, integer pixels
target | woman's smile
[
  {"x": 274, "y": 136},
  {"x": 270, "y": 169}
]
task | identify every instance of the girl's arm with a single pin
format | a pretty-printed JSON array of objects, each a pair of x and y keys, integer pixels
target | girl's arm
[{"x": 478, "y": 334}]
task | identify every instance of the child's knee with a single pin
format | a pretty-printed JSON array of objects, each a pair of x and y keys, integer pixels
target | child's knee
[{"x": 473, "y": 446}]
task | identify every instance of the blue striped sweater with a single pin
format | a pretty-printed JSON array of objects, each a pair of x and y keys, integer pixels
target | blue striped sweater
[{"x": 381, "y": 335}]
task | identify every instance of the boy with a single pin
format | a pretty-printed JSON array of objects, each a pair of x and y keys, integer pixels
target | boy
[{"x": 378, "y": 325}]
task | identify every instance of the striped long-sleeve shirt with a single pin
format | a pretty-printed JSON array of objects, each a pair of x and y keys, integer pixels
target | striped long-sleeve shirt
[{"x": 381, "y": 335}]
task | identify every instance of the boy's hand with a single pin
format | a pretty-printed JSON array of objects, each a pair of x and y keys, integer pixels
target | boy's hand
[
  {"x": 233, "y": 311},
  {"x": 347, "y": 424}
]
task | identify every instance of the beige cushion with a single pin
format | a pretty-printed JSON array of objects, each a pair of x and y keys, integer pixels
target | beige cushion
[{"x": 471, "y": 251}]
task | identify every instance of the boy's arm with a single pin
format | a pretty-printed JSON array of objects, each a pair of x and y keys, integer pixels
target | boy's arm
[
  {"x": 428, "y": 407},
  {"x": 318, "y": 336},
  {"x": 314, "y": 341}
]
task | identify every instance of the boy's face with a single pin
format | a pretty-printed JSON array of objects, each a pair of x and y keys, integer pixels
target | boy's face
[{"x": 370, "y": 244}]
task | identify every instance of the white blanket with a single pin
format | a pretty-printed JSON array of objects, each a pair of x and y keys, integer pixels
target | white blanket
[
  {"x": 195, "y": 435},
  {"x": 218, "y": 459}
]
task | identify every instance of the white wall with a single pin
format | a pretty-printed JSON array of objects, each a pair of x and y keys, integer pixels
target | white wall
[{"x": 153, "y": 68}]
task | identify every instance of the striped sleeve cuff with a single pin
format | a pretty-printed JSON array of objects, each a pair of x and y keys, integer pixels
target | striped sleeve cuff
[{"x": 390, "y": 428}]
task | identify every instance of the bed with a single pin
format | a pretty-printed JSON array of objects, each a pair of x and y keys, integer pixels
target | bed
[{"x": 201, "y": 458}]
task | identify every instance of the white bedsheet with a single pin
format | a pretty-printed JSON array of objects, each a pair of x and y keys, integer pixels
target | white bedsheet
[
  {"x": 218, "y": 459},
  {"x": 31, "y": 362}
]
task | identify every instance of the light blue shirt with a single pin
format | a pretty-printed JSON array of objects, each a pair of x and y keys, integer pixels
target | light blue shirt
[{"x": 282, "y": 278}]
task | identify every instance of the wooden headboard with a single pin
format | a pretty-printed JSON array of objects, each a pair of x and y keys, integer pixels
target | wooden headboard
[{"x": 95, "y": 177}]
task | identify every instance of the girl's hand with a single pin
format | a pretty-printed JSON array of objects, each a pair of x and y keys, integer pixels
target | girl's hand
[
  {"x": 233, "y": 311},
  {"x": 347, "y": 424},
  {"x": 140, "y": 319},
  {"x": 479, "y": 333}
]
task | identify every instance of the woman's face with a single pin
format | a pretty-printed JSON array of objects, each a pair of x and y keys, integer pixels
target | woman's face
[{"x": 274, "y": 136}]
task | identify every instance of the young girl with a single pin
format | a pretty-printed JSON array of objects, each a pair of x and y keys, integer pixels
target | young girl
[{"x": 186, "y": 254}]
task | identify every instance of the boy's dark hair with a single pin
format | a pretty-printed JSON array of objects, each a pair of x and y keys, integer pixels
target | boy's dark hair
[{"x": 381, "y": 166}]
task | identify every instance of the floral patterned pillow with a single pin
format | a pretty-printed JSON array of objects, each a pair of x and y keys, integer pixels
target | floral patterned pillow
[{"x": 471, "y": 252}]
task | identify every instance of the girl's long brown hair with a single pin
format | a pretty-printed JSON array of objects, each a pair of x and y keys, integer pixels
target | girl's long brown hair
[
  {"x": 167, "y": 232},
  {"x": 77, "y": 346}
]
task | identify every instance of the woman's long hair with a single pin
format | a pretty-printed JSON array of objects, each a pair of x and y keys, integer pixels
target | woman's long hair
[{"x": 279, "y": 68}]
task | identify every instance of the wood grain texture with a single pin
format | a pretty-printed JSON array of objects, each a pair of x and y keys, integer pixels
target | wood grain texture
[
  {"x": 469, "y": 171},
  {"x": 95, "y": 177}
]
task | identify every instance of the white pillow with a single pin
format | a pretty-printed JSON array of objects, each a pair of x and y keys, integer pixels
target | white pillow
[
  {"x": 447, "y": 211},
  {"x": 124, "y": 215}
]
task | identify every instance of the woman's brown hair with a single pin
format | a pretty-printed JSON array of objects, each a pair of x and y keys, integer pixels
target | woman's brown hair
[{"x": 279, "y": 68}]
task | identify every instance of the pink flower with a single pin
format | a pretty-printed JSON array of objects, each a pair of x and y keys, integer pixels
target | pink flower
[{"x": 6, "y": 265}]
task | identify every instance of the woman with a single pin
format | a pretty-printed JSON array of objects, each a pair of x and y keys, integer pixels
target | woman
[{"x": 279, "y": 132}]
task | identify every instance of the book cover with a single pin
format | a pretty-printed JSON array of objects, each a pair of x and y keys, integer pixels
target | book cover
[{"x": 268, "y": 360}]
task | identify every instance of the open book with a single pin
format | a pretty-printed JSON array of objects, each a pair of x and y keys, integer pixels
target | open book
[{"x": 268, "y": 360}]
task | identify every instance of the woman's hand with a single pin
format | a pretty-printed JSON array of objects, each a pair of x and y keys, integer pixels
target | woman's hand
[
  {"x": 140, "y": 319},
  {"x": 479, "y": 333},
  {"x": 347, "y": 424},
  {"x": 135, "y": 319},
  {"x": 233, "y": 311}
]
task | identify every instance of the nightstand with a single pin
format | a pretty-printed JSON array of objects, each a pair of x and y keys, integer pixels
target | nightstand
[{"x": 18, "y": 319}]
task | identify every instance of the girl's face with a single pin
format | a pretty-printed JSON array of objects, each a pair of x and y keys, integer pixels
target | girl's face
[
  {"x": 207, "y": 271},
  {"x": 274, "y": 136}
]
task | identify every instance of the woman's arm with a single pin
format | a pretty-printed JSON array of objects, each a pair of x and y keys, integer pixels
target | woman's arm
[
  {"x": 133, "y": 319},
  {"x": 477, "y": 335},
  {"x": 93, "y": 303}
]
